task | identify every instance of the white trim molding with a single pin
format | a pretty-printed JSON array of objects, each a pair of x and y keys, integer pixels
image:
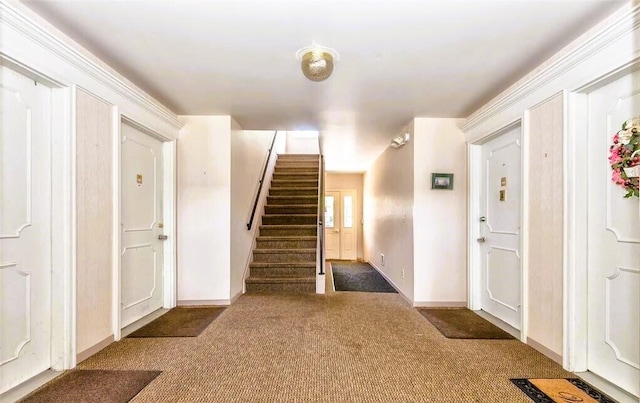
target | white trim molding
[
  {"x": 621, "y": 23},
  {"x": 35, "y": 29}
]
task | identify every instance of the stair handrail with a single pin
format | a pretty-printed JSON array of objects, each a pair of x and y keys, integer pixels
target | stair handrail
[
  {"x": 261, "y": 182},
  {"x": 321, "y": 213}
]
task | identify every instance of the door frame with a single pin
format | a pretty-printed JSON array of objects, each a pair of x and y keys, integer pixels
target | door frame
[
  {"x": 169, "y": 197},
  {"x": 63, "y": 216},
  {"x": 575, "y": 292},
  {"x": 474, "y": 256}
]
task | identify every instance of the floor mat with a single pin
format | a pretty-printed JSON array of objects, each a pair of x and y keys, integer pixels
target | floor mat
[
  {"x": 180, "y": 322},
  {"x": 461, "y": 323},
  {"x": 561, "y": 390},
  {"x": 93, "y": 386},
  {"x": 355, "y": 276}
]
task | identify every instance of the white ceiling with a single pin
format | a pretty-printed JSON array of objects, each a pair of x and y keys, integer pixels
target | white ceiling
[{"x": 399, "y": 59}]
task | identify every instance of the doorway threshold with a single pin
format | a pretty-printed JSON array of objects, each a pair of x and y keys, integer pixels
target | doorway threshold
[
  {"x": 29, "y": 386},
  {"x": 500, "y": 323},
  {"x": 127, "y": 330},
  {"x": 607, "y": 387}
]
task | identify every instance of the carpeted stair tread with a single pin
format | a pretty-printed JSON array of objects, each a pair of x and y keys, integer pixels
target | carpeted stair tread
[
  {"x": 282, "y": 251},
  {"x": 283, "y": 264},
  {"x": 277, "y": 280},
  {"x": 287, "y": 238}
]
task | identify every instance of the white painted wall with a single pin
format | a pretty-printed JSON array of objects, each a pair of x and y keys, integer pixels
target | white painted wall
[
  {"x": 31, "y": 42},
  {"x": 302, "y": 143},
  {"x": 204, "y": 206},
  {"x": 388, "y": 214},
  {"x": 249, "y": 151},
  {"x": 439, "y": 216},
  {"x": 608, "y": 48}
]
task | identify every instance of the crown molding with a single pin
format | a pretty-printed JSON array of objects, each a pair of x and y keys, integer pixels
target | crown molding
[
  {"x": 12, "y": 15},
  {"x": 622, "y": 24}
]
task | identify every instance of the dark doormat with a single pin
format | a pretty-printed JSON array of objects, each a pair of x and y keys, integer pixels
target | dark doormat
[
  {"x": 461, "y": 323},
  {"x": 93, "y": 386},
  {"x": 180, "y": 322},
  {"x": 355, "y": 276},
  {"x": 561, "y": 390}
]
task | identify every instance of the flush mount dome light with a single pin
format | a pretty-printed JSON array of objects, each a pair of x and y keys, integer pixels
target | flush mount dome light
[{"x": 317, "y": 61}]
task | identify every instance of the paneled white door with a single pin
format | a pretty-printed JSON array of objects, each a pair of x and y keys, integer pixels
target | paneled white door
[
  {"x": 340, "y": 225},
  {"x": 142, "y": 247},
  {"x": 25, "y": 228},
  {"x": 613, "y": 278},
  {"x": 500, "y": 229}
]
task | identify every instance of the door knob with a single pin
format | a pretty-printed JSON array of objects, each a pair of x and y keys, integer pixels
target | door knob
[
  {"x": 163, "y": 237},
  {"x": 483, "y": 219},
  {"x": 481, "y": 239}
]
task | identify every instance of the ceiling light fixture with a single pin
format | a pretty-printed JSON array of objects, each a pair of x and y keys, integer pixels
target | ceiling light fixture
[{"x": 317, "y": 61}]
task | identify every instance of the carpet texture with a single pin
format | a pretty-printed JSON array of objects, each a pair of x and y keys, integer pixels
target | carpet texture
[
  {"x": 93, "y": 386},
  {"x": 180, "y": 322},
  {"x": 343, "y": 347},
  {"x": 561, "y": 390},
  {"x": 462, "y": 323},
  {"x": 355, "y": 276}
]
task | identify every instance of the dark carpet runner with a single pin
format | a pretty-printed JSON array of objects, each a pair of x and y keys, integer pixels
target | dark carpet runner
[
  {"x": 461, "y": 323},
  {"x": 93, "y": 386},
  {"x": 355, "y": 276},
  {"x": 180, "y": 322}
]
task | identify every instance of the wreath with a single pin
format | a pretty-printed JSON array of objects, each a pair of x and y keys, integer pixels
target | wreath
[{"x": 624, "y": 153}]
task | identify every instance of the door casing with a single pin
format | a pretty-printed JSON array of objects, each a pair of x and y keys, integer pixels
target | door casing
[{"x": 474, "y": 166}]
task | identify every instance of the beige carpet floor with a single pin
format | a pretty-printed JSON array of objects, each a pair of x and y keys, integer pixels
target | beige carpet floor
[{"x": 343, "y": 347}]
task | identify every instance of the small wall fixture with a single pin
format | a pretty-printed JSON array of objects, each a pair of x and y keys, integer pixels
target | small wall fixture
[
  {"x": 400, "y": 140},
  {"x": 317, "y": 61}
]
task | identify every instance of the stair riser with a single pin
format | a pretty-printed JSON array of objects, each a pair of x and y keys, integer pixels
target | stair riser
[
  {"x": 266, "y": 272},
  {"x": 304, "y": 288},
  {"x": 286, "y": 244},
  {"x": 297, "y": 164},
  {"x": 290, "y": 210},
  {"x": 291, "y": 200},
  {"x": 295, "y": 176},
  {"x": 283, "y": 257},
  {"x": 289, "y": 220},
  {"x": 288, "y": 231},
  {"x": 293, "y": 192},
  {"x": 286, "y": 169},
  {"x": 294, "y": 184}
]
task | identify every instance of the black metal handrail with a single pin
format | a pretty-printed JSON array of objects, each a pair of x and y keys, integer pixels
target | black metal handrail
[
  {"x": 261, "y": 182},
  {"x": 321, "y": 213}
]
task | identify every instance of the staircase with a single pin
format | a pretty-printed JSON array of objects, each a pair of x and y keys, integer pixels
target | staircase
[{"x": 284, "y": 259}]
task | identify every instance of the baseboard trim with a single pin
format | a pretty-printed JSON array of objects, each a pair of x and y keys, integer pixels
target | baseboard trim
[
  {"x": 205, "y": 302},
  {"x": 545, "y": 350},
  {"x": 235, "y": 297},
  {"x": 383, "y": 274},
  {"x": 94, "y": 349},
  {"x": 440, "y": 304}
]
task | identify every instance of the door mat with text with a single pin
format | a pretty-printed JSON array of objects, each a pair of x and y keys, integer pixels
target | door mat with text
[{"x": 561, "y": 390}]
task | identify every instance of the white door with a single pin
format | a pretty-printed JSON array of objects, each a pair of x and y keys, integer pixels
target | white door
[
  {"x": 141, "y": 202},
  {"x": 25, "y": 228},
  {"x": 614, "y": 244},
  {"x": 500, "y": 231},
  {"x": 340, "y": 225}
]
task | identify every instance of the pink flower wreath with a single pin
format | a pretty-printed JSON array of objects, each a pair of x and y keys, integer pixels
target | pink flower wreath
[{"x": 624, "y": 153}]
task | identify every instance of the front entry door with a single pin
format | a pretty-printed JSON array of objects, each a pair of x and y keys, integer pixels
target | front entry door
[
  {"x": 141, "y": 226},
  {"x": 500, "y": 227},
  {"x": 25, "y": 228},
  {"x": 340, "y": 225},
  {"x": 613, "y": 264}
]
